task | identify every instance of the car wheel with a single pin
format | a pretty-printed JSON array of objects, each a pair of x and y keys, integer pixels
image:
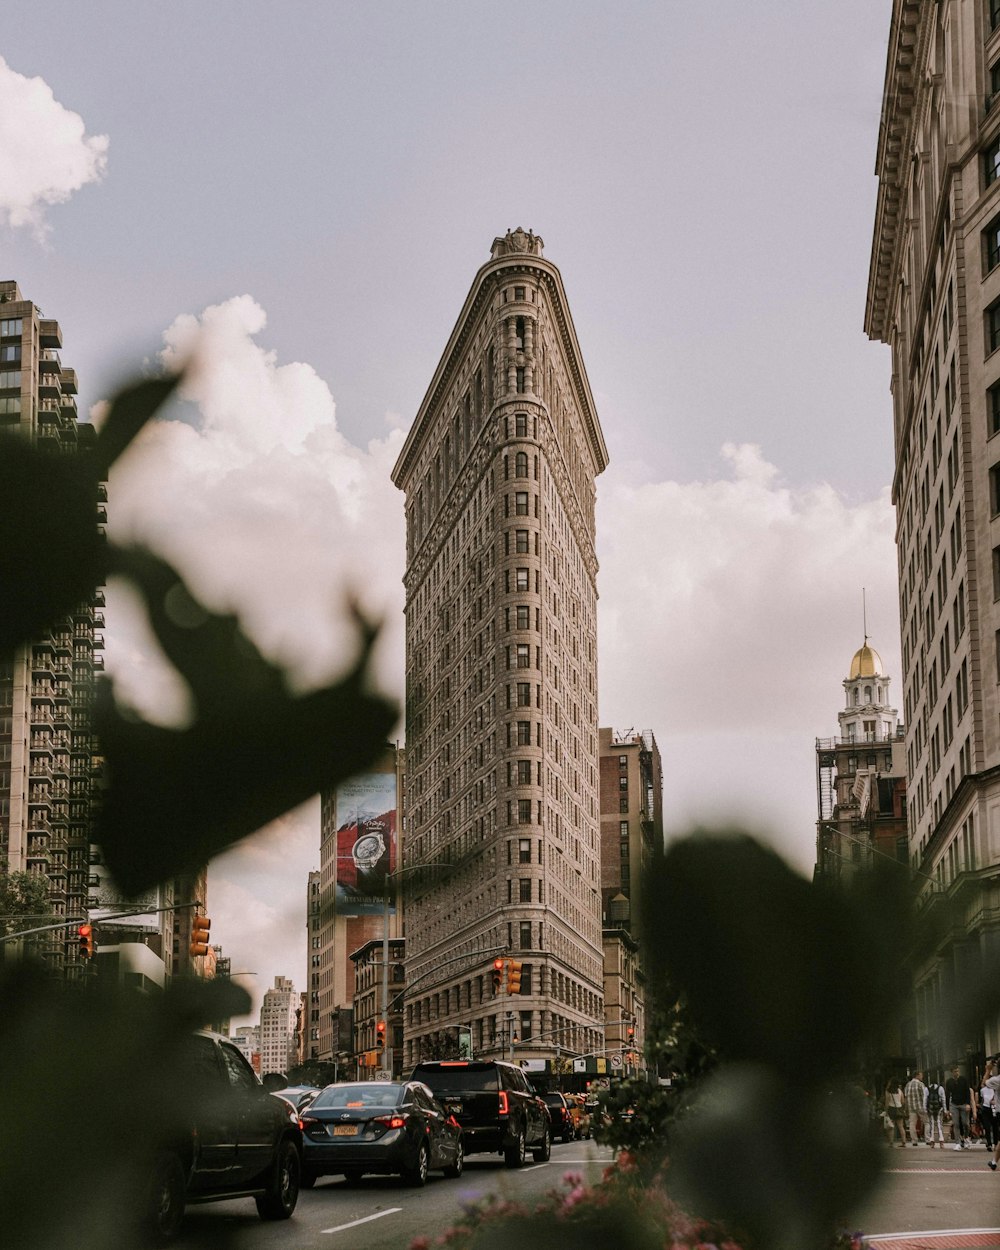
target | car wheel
[
  {"x": 455, "y": 1169},
  {"x": 308, "y": 1179},
  {"x": 417, "y": 1175},
  {"x": 282, "y": 1193},
  {"x": 514, "y": 1153},
  {"x": 543, "y": 1153},
  {"x": 165, "y": 1211}
]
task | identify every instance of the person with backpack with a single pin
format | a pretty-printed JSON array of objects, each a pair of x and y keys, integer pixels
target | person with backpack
[
  {"x": 934, "y": 1119},
  {"x": 915, "y": 1095}
]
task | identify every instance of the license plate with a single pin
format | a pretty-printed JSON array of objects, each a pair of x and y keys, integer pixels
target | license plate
[{"x": 345, "y": 1130}]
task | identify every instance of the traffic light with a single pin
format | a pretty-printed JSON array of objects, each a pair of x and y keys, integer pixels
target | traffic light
[
  {"x": 631, "y": 1033},
  {"x": 497, "y": 975},
  {"x": 380, "y": 1035},
  {"x": 86, "y": 932},
  {"x": 200, "y": 926},
  {"x": 513, "y": 976}
]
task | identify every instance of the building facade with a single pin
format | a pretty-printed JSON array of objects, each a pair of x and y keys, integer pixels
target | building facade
[
  {"x": 934, "y": 299},
  {"x": 372, "y": 978},
  {"x": 361, "y": 825},
  {"x": 48, "y": 758},
  {"x": 499, "y": 474},
  {"x": 861, "y": 777},
  {"x": 279, "y": 1018},
  {"x": 631, "y": 790}
]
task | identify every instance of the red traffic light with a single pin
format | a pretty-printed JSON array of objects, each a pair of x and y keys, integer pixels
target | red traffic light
[
  {"x": 380, "y": 1034},
  {"x": 497, "y": 975},
  {"x": 86, "y": 940}
]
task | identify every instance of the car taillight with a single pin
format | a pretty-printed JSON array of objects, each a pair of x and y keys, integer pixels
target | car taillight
[
  {"x": 390, "y": 1121},
  {"x": 504, "y": 1110},
  {"x": 307, "y": 1123}
]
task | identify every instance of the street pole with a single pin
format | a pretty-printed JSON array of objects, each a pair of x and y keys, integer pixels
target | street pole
[{"x": 387, "y": 1056}]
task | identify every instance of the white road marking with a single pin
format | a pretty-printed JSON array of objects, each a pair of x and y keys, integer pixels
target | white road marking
[
  {"x": 534, "y": 1167},
  {"x": 367, "y": 1220}
]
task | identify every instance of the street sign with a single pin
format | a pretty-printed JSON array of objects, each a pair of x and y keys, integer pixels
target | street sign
[
  {"x": 381, "y": 1074},
  {"x": 579, "y": 1065},
  {"x": 616, "y": 1061}
]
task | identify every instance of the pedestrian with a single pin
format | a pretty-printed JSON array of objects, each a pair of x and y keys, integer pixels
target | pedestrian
[
  {"x": 934, "y": 1105},
  {"x": 960, "y": 1101},
  {"x": 915, "y": 1097},
  {"x": 992, "y": 1081},
  {"x": 988, "y": 1121},
  {"x": 895, "y": 1110}
]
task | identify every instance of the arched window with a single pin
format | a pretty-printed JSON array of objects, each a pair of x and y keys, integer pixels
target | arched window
[
  {"x": 868, "y": 694},
  {"x": 857, "y": 696},
  {"x": 521, "y": 464}
]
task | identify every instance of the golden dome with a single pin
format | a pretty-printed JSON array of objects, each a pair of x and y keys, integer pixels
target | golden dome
[{"x": 866, "y": 663}]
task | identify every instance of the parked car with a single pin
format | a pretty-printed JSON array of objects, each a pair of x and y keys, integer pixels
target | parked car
[
  {"x": 229, "y": 1138},
  {"x": 561, "y": 1114},
  {"x": 496, "y": 1107},
  {"x": 379, "y": 1126}
]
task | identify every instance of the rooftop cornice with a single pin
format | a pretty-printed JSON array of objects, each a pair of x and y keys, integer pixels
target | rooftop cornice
[
  {"x": 908, "y": 31},
  {"x": 485, "y": 283}
]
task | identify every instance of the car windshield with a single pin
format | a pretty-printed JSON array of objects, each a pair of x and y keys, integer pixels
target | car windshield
[
  {"x": 465, "y": 1078},
  {"x": 366, "y": 1094}
]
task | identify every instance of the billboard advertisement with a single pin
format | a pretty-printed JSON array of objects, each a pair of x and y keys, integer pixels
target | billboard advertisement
[{"x": 365, "y": 816}]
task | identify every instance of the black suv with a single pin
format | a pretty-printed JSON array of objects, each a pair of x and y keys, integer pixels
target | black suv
[
  {"x": 496, "y": 1107},
  {"x": 229, "y": 1138}
]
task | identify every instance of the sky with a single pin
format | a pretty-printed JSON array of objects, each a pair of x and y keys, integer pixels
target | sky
[{"x": 301, "y": 194}]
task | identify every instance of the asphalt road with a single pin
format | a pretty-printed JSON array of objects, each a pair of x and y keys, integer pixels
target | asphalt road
[
  {"x": 381, "y": 1213},
  {"x": 922, "y": 1191},
  {"x": 926, "y": 1191}
]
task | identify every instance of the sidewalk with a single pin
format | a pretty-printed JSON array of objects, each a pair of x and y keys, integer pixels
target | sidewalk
[{"x": 948, "y": 1239}]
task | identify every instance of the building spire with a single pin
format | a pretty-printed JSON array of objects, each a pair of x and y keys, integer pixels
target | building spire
[{"x": 864, "y": 615}]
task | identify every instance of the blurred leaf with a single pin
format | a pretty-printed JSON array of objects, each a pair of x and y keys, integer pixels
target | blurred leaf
[
  {"x": 98, "y": 1069},
  {"x": 775, "y": 970},
  {"x": 802, "y": 1156},
  {"x": 177, "y": 797},
  {"x": 52, "y": 555}
]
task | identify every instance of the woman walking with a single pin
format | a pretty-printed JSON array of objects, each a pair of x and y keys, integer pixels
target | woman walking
[{"x": 896, "y": 1111}]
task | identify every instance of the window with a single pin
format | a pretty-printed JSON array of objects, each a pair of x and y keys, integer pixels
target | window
[
  {"x": 623, "y": 804},
  {"x": 994, "y": 86},
  {"x": 991, "y": 162},
  {"x": 11, "y": 327},
  {"x": 521, "y": 421},
  {"x": 521, "y": 463},
  {"x": 524, "y": 772},
  {"x": 993, "y": 327},
  {"x": 623, "y": 783},
  {"x": 991, "y": 245},
  {"x": 524, "y": 694},
  {"x": 994, "y": 11},
  {"x": 519, "y": 377},
  {"x": 524, "y": 935},
  {"x": 623, "y": 828},
  {"x": 521, "y": 542},
  {"x": 993, "y": 409},
  {"x": 523, "y": 617},
  {"x": 525, "y": 1018},
  {"x": 995, "y": 488},
  {"x": 523, "y": 655},
  {"x": 524, "y": 733},
  {"x": 521, "y": 503},
  {"x": 519, "y": 292},
  {"x": 524, "y": 851},
  {"x": 524, "y": 890}
]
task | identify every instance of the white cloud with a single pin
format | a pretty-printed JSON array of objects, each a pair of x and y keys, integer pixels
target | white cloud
[
  {"x": 728, "y": 615},
  {"x": 45, "y": 154}
]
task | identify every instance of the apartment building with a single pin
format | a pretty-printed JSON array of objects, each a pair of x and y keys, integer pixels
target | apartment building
[
  {"x": 934, "y": 299},
  {"x": 48, "y": 758}
]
